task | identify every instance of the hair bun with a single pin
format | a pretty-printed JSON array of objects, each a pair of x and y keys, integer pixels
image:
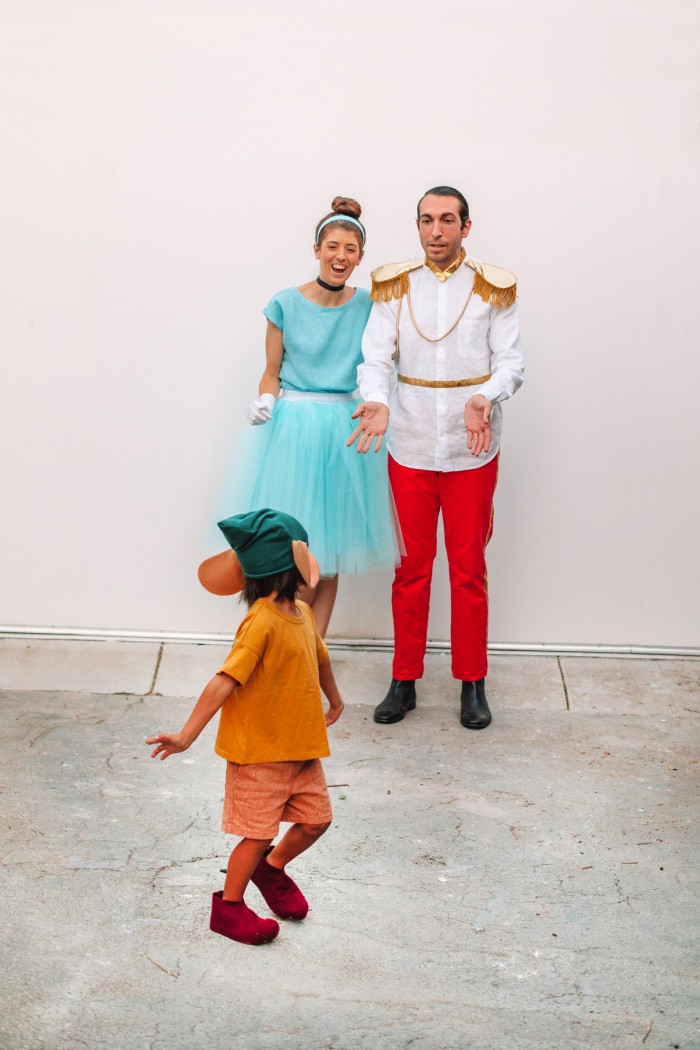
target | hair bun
[{"x": 346, "y": 206}]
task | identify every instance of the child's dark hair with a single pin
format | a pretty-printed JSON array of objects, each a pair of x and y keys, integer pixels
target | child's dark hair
[{"x": 286, "y": 584}]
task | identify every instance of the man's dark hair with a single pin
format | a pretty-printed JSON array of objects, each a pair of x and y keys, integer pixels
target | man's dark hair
[
  {"x": 286, "y": 584},
  {"x": 448, "y": 191}
]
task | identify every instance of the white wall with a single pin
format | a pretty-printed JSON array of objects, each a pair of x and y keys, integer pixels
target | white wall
[{"x": 164, "y": 165}]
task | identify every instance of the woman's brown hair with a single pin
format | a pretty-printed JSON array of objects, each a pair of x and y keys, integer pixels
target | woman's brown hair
[{"x": 342, "y": 206}]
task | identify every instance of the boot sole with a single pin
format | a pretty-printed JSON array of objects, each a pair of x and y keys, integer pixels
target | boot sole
[{"x": 398, "y": 718}]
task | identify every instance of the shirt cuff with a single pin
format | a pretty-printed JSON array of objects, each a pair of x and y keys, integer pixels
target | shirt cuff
[
  {"x": 491, "y": 392},
  {"x": 375, "y": 395}
]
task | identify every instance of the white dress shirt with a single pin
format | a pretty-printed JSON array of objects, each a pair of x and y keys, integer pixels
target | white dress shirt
[{"x": 426, "y": 424}]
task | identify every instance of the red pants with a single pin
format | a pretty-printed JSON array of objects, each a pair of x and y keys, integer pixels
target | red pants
[{"x": 466, "y": 500}]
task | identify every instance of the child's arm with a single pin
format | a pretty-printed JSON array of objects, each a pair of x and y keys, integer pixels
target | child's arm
[
  {"x": 215, "y": 693},
  {"x": 330, "y": 689}
]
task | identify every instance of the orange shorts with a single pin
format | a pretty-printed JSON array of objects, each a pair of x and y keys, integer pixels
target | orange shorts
[{"x": 258, "y": 796}]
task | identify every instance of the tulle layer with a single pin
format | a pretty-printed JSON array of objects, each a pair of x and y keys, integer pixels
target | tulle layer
[{"x": 299, "y": 463}]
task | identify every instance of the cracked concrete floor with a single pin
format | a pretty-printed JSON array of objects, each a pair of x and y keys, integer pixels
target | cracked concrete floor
[{"x": 534, "y": 885}]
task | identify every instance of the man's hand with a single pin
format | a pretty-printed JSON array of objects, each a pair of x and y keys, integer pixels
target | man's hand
[
  {"x": 168, "y": 744},
  {"x": 374, "y": 419},
  {"x": 477, "y": 420}
]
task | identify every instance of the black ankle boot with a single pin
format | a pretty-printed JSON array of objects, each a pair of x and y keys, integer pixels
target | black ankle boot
[
  {"x": 400, "y": 699},
  {"x": 475, "y": 709}
]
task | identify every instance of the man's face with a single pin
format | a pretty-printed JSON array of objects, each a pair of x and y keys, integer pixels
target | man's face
[{"x": 440, "y": 229}]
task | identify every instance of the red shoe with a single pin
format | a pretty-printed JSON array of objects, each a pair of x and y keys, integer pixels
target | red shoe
[
  {"x": 234, "y": 919},
  {"x": 282, "y": 895}
]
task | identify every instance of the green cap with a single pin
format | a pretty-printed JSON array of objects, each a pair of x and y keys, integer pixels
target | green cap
[{"x": 262, "y": 539}]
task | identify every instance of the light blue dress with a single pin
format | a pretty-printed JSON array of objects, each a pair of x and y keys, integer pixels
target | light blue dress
[{"x": 299, "y": 462}]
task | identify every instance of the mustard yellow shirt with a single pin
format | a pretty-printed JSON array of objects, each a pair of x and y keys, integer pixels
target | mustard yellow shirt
[{"x": 277, "y": 713}]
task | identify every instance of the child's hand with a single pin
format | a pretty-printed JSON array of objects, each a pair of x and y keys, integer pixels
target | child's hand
[
  {"x": 333, "y": 713},
  {"x": 168, "y": 744}
]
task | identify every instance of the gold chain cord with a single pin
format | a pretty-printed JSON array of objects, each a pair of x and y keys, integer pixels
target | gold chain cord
[{"x": 450, "y": 329}]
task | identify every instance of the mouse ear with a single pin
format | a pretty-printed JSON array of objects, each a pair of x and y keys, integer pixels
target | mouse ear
[
  {"x": 222, "y": 573},
  {"x": 305, "y": 563}
]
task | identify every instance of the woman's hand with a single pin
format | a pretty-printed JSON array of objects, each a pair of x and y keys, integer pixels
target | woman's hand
[
  {"x": 374, "y": 419},
  {"x": 260, "y": 410}
]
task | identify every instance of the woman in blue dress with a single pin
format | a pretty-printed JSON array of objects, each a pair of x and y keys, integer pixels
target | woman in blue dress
[{"x": 300, "y": 462}]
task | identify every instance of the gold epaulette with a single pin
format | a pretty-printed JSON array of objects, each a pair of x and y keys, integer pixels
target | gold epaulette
[
  {"x": 391, "y": 280},
  {"x": 495, "y": 286}
]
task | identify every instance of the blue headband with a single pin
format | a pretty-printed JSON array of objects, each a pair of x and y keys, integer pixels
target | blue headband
[{"x": 338, "y": 217}]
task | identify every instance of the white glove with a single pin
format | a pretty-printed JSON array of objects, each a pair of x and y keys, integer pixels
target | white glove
[{"x": 260, "y": 411}]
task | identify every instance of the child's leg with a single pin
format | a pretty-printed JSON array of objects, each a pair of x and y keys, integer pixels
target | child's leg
[
  {"x": 308, "y": 805},
  {"x": 297, "y": 839},
  {"x": 242, "y": 863},
  {"x": 280, "y": 892}
]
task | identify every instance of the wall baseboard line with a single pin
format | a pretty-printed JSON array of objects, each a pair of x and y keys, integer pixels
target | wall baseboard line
[{"x": 89, "y": 634}]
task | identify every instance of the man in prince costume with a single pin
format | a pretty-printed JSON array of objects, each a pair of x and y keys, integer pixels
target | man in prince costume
[{"x": 441, "y": 352}]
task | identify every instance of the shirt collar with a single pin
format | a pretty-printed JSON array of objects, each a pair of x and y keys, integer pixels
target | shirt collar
[{"x": 442, "y": 275}]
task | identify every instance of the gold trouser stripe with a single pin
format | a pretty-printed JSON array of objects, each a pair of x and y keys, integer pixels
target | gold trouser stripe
[{"x": 440, "y": 383}]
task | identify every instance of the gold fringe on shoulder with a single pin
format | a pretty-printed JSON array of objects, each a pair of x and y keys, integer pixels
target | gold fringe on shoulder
[
  {"x": 390, "y": 281},
  {"x": 498, "y": 297},
  {"x": 394, "y": 288},
  {"x": 493, "y": 284}
]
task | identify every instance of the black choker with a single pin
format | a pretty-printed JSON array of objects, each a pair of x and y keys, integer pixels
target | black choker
[{"x": 330, "y": 287}]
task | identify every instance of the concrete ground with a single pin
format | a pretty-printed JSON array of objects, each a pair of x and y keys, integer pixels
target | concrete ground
[{"x": 533, "y": 885}]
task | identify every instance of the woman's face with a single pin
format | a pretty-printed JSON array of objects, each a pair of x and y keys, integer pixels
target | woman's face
[{"x": 338, "y": 254}]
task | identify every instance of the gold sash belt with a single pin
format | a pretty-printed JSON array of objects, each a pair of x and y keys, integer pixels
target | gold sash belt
[{"x": 441, "y": 383}]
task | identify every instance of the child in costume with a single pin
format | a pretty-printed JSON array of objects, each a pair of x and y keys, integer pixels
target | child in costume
[
  {"x": 272, "y": 727},
  {"x": 299, "y": 461}
]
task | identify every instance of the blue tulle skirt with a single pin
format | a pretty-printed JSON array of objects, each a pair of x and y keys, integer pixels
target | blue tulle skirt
[{"x": 299, "y": 463}]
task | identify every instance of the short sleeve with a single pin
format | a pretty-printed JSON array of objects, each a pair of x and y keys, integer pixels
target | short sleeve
[
  {"x": 240, "y": 663},
  {"x": 274, "y": 312},
  {"x": 248, "y": 647}
]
